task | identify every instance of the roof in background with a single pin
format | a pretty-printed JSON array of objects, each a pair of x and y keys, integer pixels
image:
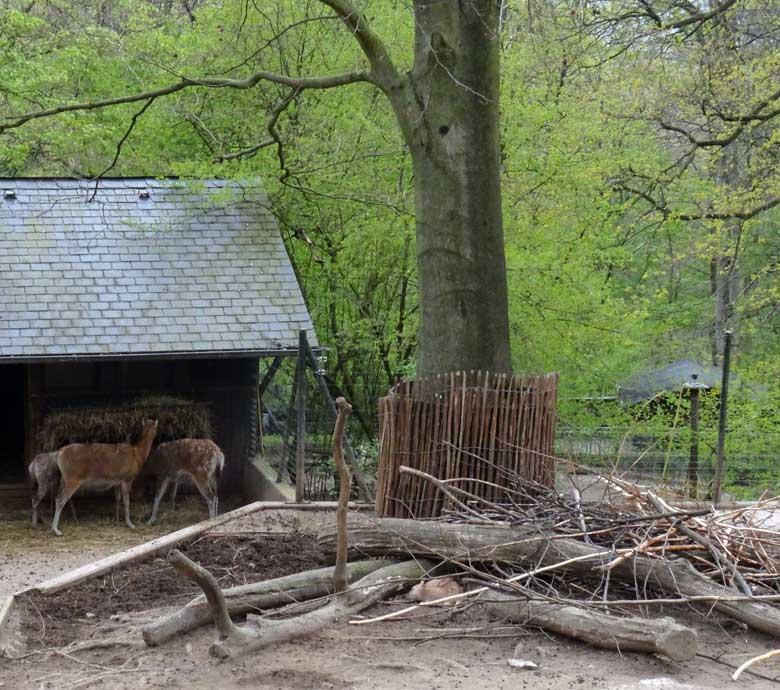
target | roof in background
[
  {"x": 138, "y": 266},
  {"x": 651, "y": 382}
]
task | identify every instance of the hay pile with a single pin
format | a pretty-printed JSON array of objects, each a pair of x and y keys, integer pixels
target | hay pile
[{"x": 177, "y": 418}]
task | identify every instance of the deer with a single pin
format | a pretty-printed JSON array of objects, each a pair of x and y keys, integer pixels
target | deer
[
  {"x": 45, "y": 481},
  {"x": 102, "y": 466},
  {"x": 199, "y": 459}
]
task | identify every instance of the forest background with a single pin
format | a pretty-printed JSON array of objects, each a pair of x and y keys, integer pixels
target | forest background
[{"x": 640, "y": 182}]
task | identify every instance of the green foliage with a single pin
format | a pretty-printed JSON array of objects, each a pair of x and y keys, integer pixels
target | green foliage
[{"x": 609, "y": 271}]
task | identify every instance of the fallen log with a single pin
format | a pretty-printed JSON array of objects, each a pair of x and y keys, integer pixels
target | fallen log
[
  {"x": 254, "y": 597},
  {"x": 235, "y": 640},
  {"x": 630, "y": 634},
  {"x": 526, "y": 546}
]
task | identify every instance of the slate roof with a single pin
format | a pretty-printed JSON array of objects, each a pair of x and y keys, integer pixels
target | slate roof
[
  {"x": 671, "y": 378},
  {"x": 143, "y": 267}
]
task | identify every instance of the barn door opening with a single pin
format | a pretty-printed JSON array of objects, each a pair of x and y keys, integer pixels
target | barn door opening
[{"x": 12, "y": 382}]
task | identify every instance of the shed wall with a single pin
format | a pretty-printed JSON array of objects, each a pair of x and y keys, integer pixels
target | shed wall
[{"x": 228, "y": 386}]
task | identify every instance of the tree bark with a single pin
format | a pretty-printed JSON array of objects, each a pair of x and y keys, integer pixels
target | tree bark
[
  {"x": 655, "y": 636},
  {"x": 529, "y": 547},
  {"x": 235, "y": 640},
  {"x": 453, "y": 135},
  {"x": 254, "y": 597}
]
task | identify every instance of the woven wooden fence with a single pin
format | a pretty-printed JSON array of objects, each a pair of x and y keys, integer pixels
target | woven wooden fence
[{"x": 475, "y": 426}]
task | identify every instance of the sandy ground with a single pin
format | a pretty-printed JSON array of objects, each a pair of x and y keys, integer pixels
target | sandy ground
[
  {"x": 387, "y": 656},
  {"x": 363, "y": 658},
  {"x": 29, "y": 556}
]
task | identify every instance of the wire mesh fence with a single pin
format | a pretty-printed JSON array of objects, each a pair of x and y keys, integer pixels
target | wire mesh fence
[
  {"x": 648, "y": 443},
  {"x": 652, "y": 460},
  {"x": 280, "y": 427}
]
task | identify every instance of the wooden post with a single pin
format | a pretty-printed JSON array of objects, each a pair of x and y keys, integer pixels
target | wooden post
[
  {"x": 300, "y": 409},
  {"x": 345, "y": 483},
  {"x": 268, "y": 376},
  {"x": 365, "y": 493},
  {"x": 717, "y": 486},
  {"x": 261, "y": 388},
  {"x": 693, "y": 462},
  {"x": 287, "y": 438}
]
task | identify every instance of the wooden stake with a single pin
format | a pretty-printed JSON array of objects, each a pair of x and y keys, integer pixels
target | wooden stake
[
  {"x": 300, "y": 415},
  {"x": 345, "y": 483}
]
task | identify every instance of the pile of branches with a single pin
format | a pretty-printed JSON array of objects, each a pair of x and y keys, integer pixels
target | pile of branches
[
  {"x": 737, "y": 547},
  {"x": 536, "y": 556}
]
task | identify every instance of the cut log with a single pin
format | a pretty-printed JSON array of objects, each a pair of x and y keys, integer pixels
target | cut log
[
  {"x": 526, "y": 546},
  {"x": 5, "y": 616},
  {"x": 234, "y": 640},
  {"x": 655, "y": 636},
  {"x": 255, "y": 597}
]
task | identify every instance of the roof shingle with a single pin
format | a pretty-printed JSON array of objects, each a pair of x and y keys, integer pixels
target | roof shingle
[{"x": 195, "y": 268}]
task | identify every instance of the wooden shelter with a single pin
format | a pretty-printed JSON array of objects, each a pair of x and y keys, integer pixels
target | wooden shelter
[{"x": 125, "y": 288}]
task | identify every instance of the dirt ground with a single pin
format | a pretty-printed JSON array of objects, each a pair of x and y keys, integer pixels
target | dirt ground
[
  {"x": 440, "y": 649},
  {"x": 29, "y": 556}
]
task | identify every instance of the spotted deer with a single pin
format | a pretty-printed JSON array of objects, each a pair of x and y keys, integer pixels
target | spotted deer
[
  {"x": 102, "y": 466},
  {"x": 199, "y": 459}
]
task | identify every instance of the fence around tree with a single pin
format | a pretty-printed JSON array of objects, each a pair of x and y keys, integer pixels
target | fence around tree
[{"x": 479, "y": 428}]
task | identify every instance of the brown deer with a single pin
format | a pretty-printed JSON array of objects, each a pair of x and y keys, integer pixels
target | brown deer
[
  {"x": 199, "y": 459},
  {"x": 101, "y": 466},
  {"x": 45, "y": 481}
]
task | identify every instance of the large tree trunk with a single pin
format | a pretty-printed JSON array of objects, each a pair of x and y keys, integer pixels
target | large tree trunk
[
  {"x": 528, "y": 546},
  {"x": 453, "y": 134}
]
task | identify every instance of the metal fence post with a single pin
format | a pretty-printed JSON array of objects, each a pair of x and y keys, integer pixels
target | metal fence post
[
  {"x": 300, "y": 400},
  {"x": 717, "y": 486},
  {"x": 365, "y": 492},
  {"x": 693, "y": 463}
]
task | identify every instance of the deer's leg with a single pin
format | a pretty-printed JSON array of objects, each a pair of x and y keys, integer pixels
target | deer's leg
[
  {"x": 117, "y": 500},
  {"x": 38, "y": 494},
  {"x": 67, "y": 489},
  {"x": 214, "y": 495},
  {"x": 71, "y": 507},
  {"x": 157, "y": 498},
  {"x": 205, "y": 491},
  {"x": 126, "y": 497},
  {"x": 173, "y": 493}
]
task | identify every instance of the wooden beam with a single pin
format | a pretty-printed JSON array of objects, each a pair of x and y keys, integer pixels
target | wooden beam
[
  {"x": 144, "y": 550},
  {"x": 268, "y": 376}
]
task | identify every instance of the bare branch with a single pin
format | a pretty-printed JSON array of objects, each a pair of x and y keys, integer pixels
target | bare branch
[
  {"x": 186, "y": 83},
  {"x": 746, "y": 214},
  {"x": 718, "y": 9},
  {"x": 382, "y": 67},
  {"x": 245, "y": 153},
  {"x": 124, "y": 138}
]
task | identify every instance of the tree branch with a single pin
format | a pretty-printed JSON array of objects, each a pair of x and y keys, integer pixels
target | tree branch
[
  {"x": 125, "y": 137},
  {"x": 718, "y": 9},
  {"x": 186, "y": 83},
  {"x": 382, "y": 68},
  {"x": 746, "y": 214}
]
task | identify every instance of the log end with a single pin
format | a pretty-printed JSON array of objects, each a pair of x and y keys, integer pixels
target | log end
[
  {"x": 678, "y": 643},
  {"x": 149, "y": 637}
]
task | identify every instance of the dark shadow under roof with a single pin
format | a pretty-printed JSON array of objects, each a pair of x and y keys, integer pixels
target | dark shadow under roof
[{"x": 143, "y": 267}]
